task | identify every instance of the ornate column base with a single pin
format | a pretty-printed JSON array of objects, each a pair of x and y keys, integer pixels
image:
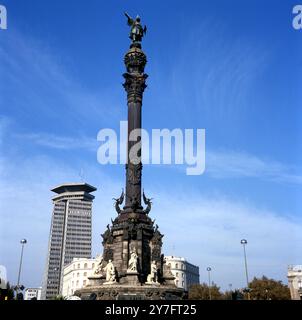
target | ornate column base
[{"x": 125, "y": 292}]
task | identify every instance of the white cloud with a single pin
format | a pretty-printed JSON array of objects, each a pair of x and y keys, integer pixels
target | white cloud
[
  {"x": 219, "y": 164},
  {"x": 59, "y": 142},
  {"x": 221, "y": 73},
  {"x": 44, "y": 80},
  {"x": 232, "y": 164},
  {"x": 208, "y": 230}
]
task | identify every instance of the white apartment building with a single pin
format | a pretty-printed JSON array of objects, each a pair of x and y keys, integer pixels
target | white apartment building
[
  {"x": 185, "y": 272},
  {"x": 75, "y": 275},
  {"x": 33, "y": 293},
  {"x": 294, "y": 275}
]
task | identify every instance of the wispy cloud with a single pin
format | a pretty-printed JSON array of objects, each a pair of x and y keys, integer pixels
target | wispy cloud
[
  {"x": 226, "y": 164},
  {"x": 44, "y": 80},
  {"x": 214, "y": 227},
  {"x": 214, "y": 78},
  {"x": 233, "y": 164},
  {"x": 59, "y": 142}
]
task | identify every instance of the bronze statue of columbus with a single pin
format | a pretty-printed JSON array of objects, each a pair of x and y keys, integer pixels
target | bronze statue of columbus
[{"x": 137, "y": 31}]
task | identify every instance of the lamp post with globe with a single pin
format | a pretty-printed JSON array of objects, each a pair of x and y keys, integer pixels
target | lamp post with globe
[
  {"x": 244, "y": 243},
  {"x": 209, "y": 275},
  {"x": 23, "y": 242}
]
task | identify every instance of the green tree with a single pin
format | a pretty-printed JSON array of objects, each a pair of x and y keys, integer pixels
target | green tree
[
  {"x": 201, "y": 292},
  {"x": 58, "y": 297},
  {"x": 268, "y": 289}
]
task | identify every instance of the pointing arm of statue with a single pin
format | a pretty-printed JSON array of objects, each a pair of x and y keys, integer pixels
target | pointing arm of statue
[{"x": 130, "y": 20}]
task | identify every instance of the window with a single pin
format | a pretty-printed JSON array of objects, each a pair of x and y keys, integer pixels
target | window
[
  {"x": 176, "y": 265},
  {"x": 85, "y": 274},
  {"x": 79, "y": 266},
  {"x": 78, "y": 274},
  {"x": 177, "y": 282},
  {"x": 85, "y": 266},
  {"x": 77, "y": 282},
  {"x": 84, "y": 283},
  {"x": 176, "y": 274}
]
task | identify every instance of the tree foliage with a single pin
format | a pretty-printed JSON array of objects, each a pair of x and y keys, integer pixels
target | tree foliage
[
  {"x": 268, "y": 289},
  {"x": 202, "y": 292},
  {"x": 58, "y": 297}
]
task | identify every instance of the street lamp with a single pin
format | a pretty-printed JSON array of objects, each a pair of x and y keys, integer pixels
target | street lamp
[
  {"x": 244, "y": 243},
  {"x": 209, "y": 274},
  {"x": 23, "y": 242}
]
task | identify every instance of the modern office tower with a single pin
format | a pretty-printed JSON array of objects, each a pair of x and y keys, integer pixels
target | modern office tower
[{"x": 70, "y": 233}]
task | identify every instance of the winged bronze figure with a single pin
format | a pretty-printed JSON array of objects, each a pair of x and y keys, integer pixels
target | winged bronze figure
[
  {"x": 118, "y": 202},
  {"x": 147, "y": 202}
]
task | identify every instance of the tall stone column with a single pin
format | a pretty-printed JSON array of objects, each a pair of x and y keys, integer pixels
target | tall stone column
[
  {"x": 135, "y": 78},
  {"x": 133, "y": 237}
]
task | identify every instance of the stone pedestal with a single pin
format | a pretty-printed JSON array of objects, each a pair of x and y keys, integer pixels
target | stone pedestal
[
  {"x": 132, "y": 279},
  {"x": 125, "y": 292},
  {"x": 96, "y": 280}
]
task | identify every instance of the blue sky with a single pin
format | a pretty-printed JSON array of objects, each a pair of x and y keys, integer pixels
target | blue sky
[{"x": 230, "y": 67}]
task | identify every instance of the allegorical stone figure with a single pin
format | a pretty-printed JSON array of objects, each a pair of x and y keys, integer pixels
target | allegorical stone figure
[
  {"x": 98, "y": 266},
  {"x": 137, "y": 31},
  {"x": 110, "y": 272},
  {"x": 132, "y": 264},
  {"x": 152, "y": 277}
]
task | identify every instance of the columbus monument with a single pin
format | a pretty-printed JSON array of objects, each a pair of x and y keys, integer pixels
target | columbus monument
[{"x": 132, "y": 265}]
